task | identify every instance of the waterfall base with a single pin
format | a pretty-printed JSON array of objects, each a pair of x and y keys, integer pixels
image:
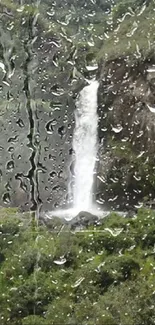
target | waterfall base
[
  {"x": 76, "y": 220},
  {"x": 69, "y": 214}
]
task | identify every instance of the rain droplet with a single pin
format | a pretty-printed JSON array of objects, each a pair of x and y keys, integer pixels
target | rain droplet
[
  {"x": 2, "y": 66},
  {"x": 10, "y": 166},
  {"x": 113, "y": 199},
  {"x": 142, "y": 10},
  {"x": 78, "y": 282},
  {"x": 61, "y": 261},
  {"x": 141, "y": 154},
  {"x": 8, "y": 187},
  {"x": 60, "y": 174},
  {"x": 10, "y": 149},
  {"x": 53, "y": 174},
  {"x": 6, "y": 198},
  {"x": 137, "y": 178},
  {"x": 70, "y": 151},
  {"x": 20, "y": 123},
  {"x": 152, "y": 109},
  {"x": 140, "y": 134},
  {"x": 49, "y": 200},
  {"x": 61, "y": 130},
  {"x": 51, "y": 157},
  {"x": 92, "y": 68},
  {"x": 13, "y": 139},
  {"x": 139, "y": 205},
  {"x": 54, "y": 122},
  {"x": 56, "y": 188},
  {"x": 117, "y": 129},
  {"x": 151, "y": 69},
  {"x": 114, "y": 232},
  {"x": 49, "y": 127}
]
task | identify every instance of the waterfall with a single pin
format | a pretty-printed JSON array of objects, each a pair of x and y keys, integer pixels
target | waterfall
[
  {"x": 85, "y": 152},
  {"x": 85, "y": 147}
]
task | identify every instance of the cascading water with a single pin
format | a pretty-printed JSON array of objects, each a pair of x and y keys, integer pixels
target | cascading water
[
  {"x": 85, "y": 147},
  {"x": 85, "y": 152}
]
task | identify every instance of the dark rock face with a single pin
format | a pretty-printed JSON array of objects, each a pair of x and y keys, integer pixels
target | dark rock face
[
  {"x": 37, "y": 117},
  {"x": 126, "y": 132},
  {"x": 83, "y": 219}
]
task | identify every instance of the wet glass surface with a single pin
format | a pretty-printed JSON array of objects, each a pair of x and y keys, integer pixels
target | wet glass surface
[{"x": 77, "y": 166}]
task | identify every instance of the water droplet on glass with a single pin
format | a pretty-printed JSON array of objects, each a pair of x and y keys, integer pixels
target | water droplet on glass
[
  {"x": 20, "y": 123},
  {"x": 2, "y": 66},
  {"x": 137, "y": 178},
  {"x": 151, "y": 108},
  {"x": 92, "y": 68},
  {"x": 61, "y": 261},
  {"x": 141, "y": 154},
  {"x": 53, "y": 174},
  {"x": 56, "y": 188},
  {"x": 10, "y": 166},
  {"x": 114, "y": 232},
  {"x": 10, "y": 149},
  {"x": 13, "y": 139},
  {"x": 6, "y": 198},
  {"x": 53, "y": 122},
  {"x": 117, "y": 129},
  {"x": 8, "y": 187},
  {"x": 78, "y": 282},
  {"x": 60, "y": 174},
  {"x": 49, "y": 127},
  {"x": 61, "y": 130},
  {"x": 139, "y": 205}
]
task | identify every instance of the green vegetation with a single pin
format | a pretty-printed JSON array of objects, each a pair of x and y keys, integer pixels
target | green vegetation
[
  {"x": 131, "y": 32},
  {"x": 106, "y": 29},
  {"x": 101, "y": 275},
  {"x": 130, "y": 171}
]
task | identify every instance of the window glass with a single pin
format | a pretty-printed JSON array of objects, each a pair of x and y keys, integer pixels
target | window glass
[{"x": 77, "y": 167}]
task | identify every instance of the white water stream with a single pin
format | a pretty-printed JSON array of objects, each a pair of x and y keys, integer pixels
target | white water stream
[
  {"x": 85, "y": 147},
  {"x": 85, "y": 153}
]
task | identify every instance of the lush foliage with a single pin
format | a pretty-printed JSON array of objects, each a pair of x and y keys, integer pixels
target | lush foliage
[
  {"x": 101, "y": 275},
  {"x": 115, "y": 27}
]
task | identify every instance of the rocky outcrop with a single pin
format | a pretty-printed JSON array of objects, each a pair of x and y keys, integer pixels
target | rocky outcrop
[
  {"x": 78, "y": 222},
  {"x": 127, "y": 131}
]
